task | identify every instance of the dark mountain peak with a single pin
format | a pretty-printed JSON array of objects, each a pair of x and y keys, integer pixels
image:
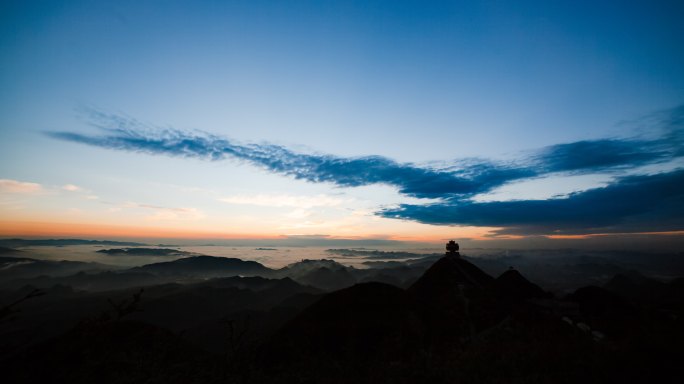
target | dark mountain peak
[
  {"x": 365, "y": 302},
  {"x": 634, "y": 285},
  {"x": 206, "y": 260},
  {"x": 456, "y": 300},
  {"x": 631, "y": 277},
  {"x": 364, "y": 296},
  {"x": 513, "y": 285},
  {"x": 512, "y": 274},
  {"x": 205, "y": 266},
  {"x": 254, "y": 283},
  {"x": 449, "y": 273},
  {"x": 357, "y": 326},
  {"x": 326, "y": 278},
  {"x": 597, "y": 301},
  {"x": 306, "y": 265},
  {"x": 287, "y": 282},
  {"x": 322, "y": 273},
  {"x": 286, "y": 286}
]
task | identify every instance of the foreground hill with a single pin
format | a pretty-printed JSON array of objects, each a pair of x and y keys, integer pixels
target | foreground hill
[
  {"x": 198, "y": 310},
  {"x": 114, "y": 352},
  {"x": 458, "y": 324},
  {"x": 348, "y": 333},
  {"x": 512, "y": 285}
]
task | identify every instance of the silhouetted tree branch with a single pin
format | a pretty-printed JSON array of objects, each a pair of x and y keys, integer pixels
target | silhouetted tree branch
[
  {"x": 7, "y": 310},
  {"x": 127, "y": 306}
]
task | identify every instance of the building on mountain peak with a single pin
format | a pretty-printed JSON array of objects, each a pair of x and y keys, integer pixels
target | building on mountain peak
[{"x": 452, "y": 249}]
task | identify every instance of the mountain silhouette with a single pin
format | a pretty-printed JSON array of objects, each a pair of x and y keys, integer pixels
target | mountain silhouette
[
  {"x": 9, "y": 251},
  {"x": 598, "y": 302},
  {"x": 324, "y": 274},
  {"x": 635, "y": 286},
  {"x": 205, "y": 266},
  {"x": 511, "y": 285},
  {"x": 143, "y": 252},
  {"x": 377, "y": 326},
  {"x": 455, "y": 323},
  {"x": 447, "y": 275},
  {"x": 456, "y": 300},
  {"x": 64, "y": 242},
  {"x": 14, "y": 268},
  {"x": 359, "y": 329}
]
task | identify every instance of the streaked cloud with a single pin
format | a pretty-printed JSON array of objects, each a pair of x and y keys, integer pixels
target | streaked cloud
[
  {"x": 80, "y": 191},
  {"x": 161, "y": 213},
  {"x": 123, "y": 133},
  {"x": 283, "y": 200},
  {"x": 19, "y": 187},
  {"x": 622, "y": 200},
  {"x": 166, "y": 214}
]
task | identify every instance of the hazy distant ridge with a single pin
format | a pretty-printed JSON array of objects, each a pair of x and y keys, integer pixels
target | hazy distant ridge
[{"x": 63, "y": 242}]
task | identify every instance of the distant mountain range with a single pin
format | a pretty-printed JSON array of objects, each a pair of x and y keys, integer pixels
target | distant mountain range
[
  {"x": 322, "y": 274},
  {"x": 9, "y": 251},
  {"x": 205, "y": 266},
  {"x": 13, "y": 268},
  {"x": 63, "y": 242},
  {"x": 144, "y": 252}
]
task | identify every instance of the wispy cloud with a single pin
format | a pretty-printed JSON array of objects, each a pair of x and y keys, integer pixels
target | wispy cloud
[
  {"x": 267, "y": 200},
  {"x": 156, "y": 212},
  {"x": 84, "y": 193},
  {"x": 455, "y": 185},
  {"x": 176, "y": 214},
  {"x": 123, "y": 133},
  {"x": 72, "y": 188},
  {"x": 19, "y": 187}
]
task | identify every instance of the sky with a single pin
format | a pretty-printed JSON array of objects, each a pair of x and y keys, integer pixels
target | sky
[{"x": 485, "y": 121}]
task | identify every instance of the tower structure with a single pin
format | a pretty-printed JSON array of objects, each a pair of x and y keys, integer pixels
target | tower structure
[{"x": 452, "y": 249}]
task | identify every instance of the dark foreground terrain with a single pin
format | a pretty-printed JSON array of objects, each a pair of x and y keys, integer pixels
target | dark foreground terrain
[{"x": 445, "y": 321}]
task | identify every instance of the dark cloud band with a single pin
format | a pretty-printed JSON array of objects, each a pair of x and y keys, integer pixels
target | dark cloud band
[
  {"x": 635, "y": 203},
  {"x": 126, "y": 134}
]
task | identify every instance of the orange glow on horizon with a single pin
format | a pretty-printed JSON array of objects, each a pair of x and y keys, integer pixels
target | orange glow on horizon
[
  {"x": 420, "y": 234},
  {"x": 414, "y": 233},
  {"x": 46, "y": 229},
  {"x": 588, "y": 236}
]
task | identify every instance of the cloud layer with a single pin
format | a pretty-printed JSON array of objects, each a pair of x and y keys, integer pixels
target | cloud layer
[
  {"x": 266, "y": 200},
  {"x": 646, "y": 202},
  {"x": 632, "y": 204},
  {"x": 19, "y": 187}
]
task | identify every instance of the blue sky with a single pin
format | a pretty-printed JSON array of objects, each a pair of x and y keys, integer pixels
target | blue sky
[{"x": 515, "y": 98}]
